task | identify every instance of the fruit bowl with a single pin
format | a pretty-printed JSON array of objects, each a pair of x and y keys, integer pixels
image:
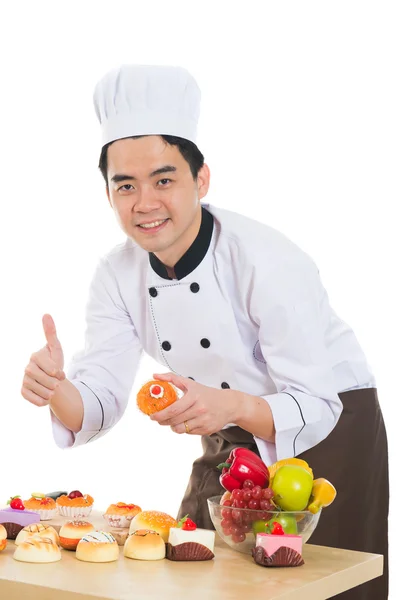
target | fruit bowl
[{"x": 245, "y": 523}]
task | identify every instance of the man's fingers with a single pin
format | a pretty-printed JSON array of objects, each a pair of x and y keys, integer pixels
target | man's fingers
[
  {"x": 37, "y": 388},
  {"x": 37, "y": 374},
  {"x": 180, "y": 382},
  {"x": 46, "y": 364},
  {"x": 50, "y": 332},
  {"x": 33, "y": 398}
]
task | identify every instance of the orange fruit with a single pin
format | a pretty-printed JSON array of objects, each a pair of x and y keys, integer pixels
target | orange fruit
[{"x": 155, "y": 396}]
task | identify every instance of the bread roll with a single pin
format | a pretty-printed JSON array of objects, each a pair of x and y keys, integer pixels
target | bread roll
[
  {"x": 39, "y": 530},
  {"x": 144, "y": 545},
  {"x": 37, "y": 549},
  {"x": 72, "y": 532},
  {"x": 153, "y": 520},
  {"x": 3, "y": 537},
  {"x": 98, "y": 546}
]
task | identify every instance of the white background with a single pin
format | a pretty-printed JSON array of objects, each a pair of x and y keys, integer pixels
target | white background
[{"x": 300, "y": 128}]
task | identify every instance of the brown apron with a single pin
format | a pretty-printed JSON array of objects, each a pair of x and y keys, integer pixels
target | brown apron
[{"x": 353, "y": 457}]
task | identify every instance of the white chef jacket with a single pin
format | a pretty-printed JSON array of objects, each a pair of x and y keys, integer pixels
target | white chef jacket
[{"x": 247, "y": 311}]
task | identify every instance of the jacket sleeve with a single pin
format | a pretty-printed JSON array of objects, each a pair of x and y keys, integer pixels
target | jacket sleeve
[
  {"x": 105, "y": 370},
  {"x": 289, "y": 308}
]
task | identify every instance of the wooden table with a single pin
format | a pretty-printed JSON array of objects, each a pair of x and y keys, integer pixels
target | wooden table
[{"x": 327, "y": 572}]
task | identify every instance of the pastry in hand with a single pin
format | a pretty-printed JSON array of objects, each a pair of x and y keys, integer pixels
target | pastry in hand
[
  {"x": 76, "y": 506},
  {"x": 121, "y": 514},
  {"x": 39, "y": 530},
  {"x": 155, "y": 396},
  {"x": 3, "y": 537},
  {"x": 98, "y": 546},
  {"x": 153, "y": 520},
  {"x": 45, "y": 507},
  {"x": 37, "y": 549},
  {"x": 143, "y": 544}
]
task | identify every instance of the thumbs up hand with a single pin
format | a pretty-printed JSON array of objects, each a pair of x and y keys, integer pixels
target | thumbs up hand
[{"x": 44, "y": 372}]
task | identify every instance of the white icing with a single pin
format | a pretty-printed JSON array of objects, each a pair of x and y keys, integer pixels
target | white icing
[
  {"x": 160, "y": 395},
  {"x": 98, "y": 537}
]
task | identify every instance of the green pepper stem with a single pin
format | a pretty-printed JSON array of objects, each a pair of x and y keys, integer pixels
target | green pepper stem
[{"x": 224, "y": 466}]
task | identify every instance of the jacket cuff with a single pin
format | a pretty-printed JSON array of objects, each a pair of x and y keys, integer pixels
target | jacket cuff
[
  {"x": 289, "y": 423},
  {"x": 92, "y": 425}
]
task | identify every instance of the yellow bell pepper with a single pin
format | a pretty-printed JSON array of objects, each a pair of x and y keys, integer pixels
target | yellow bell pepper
[{"x": 323, "y": 494}]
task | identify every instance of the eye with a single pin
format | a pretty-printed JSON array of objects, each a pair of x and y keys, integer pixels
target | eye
[
  {"x": 126, "y": 188},
  {"x": 164, "y": 182}
]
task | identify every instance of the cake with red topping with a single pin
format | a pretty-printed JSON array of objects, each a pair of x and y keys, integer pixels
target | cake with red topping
[
  {"x": 39, "y": 503},
  {"x": 121, "y": 514},
  {"x": 16, "y": 517},
  {"x": 278, "y": 549},
  {"x": 187, "y": 542}
]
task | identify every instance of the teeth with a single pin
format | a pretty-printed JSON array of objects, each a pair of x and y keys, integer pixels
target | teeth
[{"x": 150, "y": 225}]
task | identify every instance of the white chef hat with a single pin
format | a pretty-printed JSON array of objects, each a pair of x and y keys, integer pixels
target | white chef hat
[{"x": 147, "y": 99}]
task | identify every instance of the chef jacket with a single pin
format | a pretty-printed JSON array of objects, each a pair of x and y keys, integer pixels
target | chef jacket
[{"x": 246, "y": 311}]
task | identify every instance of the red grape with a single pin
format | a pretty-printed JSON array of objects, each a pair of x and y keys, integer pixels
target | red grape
[
  {"x": 237, "y": 539},
  {"x": 248, "y": 484},
  {"x": 237, "y": 516},
  {"x": 240, "y": 504},
  {"x": 247, "y": 495},
  {"x": 226, "y": 514},
  {"x": 257, "y": 492},
  {"x": 236, "y": 529},
  {"x": 254, "y": 504},
  {"x": 237, "y": 494},
  {"x": 268, "y": 493},
  {"x": 265, "y": 504},
  {"x": 225, "y": 524}
]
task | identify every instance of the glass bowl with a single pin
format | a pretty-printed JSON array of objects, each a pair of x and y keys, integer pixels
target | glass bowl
[{"x": 249, "y": 522}]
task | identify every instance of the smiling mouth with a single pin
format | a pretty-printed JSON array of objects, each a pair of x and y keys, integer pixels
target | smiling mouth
[{"x": 153, "y": 225}]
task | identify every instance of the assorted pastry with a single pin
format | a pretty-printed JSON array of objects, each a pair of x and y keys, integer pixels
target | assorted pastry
[
  {"x": 3, "y": 538},
  {"x": 75, "y": 505},
  {"x": 154, "y": 396},
  {"x": 38, "y": 530},
  {"x": 72, "y": 532},
  {"x": 44, "y": 506},
  {"x": 120, "y": 515},
  {"x": 98, "y": 546}
]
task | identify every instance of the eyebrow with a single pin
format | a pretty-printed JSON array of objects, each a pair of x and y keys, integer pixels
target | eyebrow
[{"x": 118, "y": 177}]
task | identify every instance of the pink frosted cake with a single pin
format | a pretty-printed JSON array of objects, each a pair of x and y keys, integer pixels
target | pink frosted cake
[
  {"x": 278, "y": 550},
  {"x": 15, "y": 520}
]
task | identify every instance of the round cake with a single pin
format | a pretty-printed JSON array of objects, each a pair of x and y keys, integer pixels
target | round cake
[
  {"x": 145, "y": 545},
  {"x": 75, "y": 507},
  {"x": 3, "y": 537},
  {"x": 153, "y": 520},
  {"x": 155, "y": 396},
  {"x": 72, "y": 532},
  {"x": 37, "y": 550},
  {"x": 98, "y": 547},
  {"x": 37, "y": 529}
]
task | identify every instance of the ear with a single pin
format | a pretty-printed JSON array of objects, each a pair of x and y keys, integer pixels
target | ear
[{"x": 203, "y": 181}]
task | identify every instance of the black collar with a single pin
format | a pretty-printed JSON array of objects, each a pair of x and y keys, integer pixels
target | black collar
[{"x": 194, "y": 255}]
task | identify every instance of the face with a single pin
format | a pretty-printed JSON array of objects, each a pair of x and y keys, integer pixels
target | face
[{"x": 154, "y": 196}]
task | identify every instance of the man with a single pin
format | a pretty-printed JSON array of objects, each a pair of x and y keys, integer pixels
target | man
[{"x": 234, "y": 310}]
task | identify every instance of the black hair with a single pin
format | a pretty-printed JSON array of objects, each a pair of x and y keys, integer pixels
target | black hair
[{"x": 188, "y": 149}]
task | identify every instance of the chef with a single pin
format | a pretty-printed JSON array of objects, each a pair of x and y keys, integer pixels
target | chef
[{"x": 233, "y": 311}]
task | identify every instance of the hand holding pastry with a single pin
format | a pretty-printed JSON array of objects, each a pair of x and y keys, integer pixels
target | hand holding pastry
[{"x": 201, "y": 410}]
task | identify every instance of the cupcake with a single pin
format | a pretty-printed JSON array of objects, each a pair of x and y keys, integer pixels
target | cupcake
[
  {"x": 75, "y": 506},
  {"x": 154, "y": 396},
  {"x": 121, "y": 514},
  {"x": 45, "y": 507}
]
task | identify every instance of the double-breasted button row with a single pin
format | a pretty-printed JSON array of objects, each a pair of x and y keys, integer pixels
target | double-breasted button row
[
  {"x": 194, "y": 287},
  {"x": 224, "y": 385},
  {"x": 204, "y": 342}
]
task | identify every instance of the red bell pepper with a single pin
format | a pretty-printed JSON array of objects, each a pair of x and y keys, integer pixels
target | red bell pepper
[{"x": 243, "y": 464}]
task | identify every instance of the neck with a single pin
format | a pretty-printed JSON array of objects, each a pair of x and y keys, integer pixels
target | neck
[{"x": 170, "y": 256}]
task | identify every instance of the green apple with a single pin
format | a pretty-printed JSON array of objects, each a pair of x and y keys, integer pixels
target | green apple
[
  {"x": 259, "y": 527},
  {"x": 288, "y": 522},
  {"x": 292, "y": 486}
]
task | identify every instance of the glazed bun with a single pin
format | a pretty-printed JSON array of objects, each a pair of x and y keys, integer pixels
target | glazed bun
[
  {"x": 3, "y": 537},
  {"x": 39, "y": 530},
  {"x": 37, "y": 549},
  {"x": 72, "y": 532},
  {"x": 153, "y": 520},
  {"x": 98, "y": 546},
  {"x": 145, "y": 545}
]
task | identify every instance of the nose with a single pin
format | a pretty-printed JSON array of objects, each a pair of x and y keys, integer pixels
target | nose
[{"x": 146, "y": 200}]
